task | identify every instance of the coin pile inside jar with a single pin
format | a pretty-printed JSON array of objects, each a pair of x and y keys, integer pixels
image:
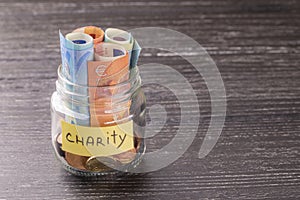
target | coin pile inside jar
[{"x": 95, "y": 163}]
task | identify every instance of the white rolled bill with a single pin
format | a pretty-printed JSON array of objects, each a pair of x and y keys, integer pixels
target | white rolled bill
[{"x": 118, "y": 36}]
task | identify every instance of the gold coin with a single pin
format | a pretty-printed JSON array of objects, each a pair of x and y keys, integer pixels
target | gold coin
[{"x": 98, "y": 164}]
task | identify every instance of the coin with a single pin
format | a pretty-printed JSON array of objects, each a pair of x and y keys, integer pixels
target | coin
[
  {"x": 137, "y": 142},
  {"x": 129, "y": 156},
  {"x": 98, "y": 164},
  {"x": 58, "y": 144},
  {"x": 126, "y": 157},
  {"x": 76, "y": 160}
]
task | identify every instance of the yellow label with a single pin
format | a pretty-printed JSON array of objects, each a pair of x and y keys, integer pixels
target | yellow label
[{"x": 97, "y": 141}]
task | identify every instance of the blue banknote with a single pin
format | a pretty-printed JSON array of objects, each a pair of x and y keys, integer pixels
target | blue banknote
[{"x": 76, "y": 50}]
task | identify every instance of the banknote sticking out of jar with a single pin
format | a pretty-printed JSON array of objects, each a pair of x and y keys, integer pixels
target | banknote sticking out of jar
[{"x": 98, "y": 108}]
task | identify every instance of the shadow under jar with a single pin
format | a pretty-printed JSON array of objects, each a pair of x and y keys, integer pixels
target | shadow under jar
[{"x": 99, "y": 130}]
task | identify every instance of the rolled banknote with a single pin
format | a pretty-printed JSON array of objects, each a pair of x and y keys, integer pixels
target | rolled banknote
[
  {"x": 111, "y": 66},
  {"x": 76, "y": 50},
  {"x": 118, "y": 36},
  {"x": 95, "y": 32},
  {"x": 111, "y": 58}
]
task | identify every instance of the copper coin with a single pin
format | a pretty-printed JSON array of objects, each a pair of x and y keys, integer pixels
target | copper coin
[
  {"x": 76, "y": 160},
  {"x": 58, "y": 144}
]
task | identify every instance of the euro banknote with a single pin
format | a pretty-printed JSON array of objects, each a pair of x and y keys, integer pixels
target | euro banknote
[
  {"x": 125, "y": 39},
  {"x": 111, "y": 66},
  {"x": 76, "y": 50},
  {"x": 95, "y": 32}
]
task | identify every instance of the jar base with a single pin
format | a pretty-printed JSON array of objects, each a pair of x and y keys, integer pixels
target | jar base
[{"x": 113, "y": 172}]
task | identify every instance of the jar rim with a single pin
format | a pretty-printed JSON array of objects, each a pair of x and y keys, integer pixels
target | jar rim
[{"x": 133, "y": 76}]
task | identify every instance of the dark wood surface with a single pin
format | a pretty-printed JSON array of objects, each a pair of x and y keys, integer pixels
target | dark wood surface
[{"x": 256, "y": 46}]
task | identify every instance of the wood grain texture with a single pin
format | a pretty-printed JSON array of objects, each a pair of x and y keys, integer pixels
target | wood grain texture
[{"x": 256, "y": 46}]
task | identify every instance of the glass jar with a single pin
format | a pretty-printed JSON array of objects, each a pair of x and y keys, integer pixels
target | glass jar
[{"x": 99, "y": 130}]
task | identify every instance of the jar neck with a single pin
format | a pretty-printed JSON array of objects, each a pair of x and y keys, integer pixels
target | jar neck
[{"x": 115, "y": 92}]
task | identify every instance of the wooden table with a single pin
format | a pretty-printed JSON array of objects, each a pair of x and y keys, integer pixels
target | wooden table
[{"x": 256, "y": 46}]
